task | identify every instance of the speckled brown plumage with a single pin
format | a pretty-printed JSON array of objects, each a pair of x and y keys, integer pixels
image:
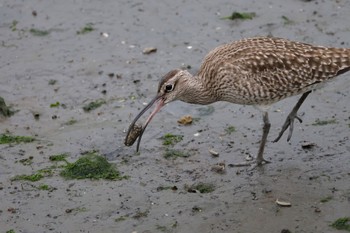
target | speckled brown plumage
[
  {"x": 265, "y": 70},
  {"x": 256, "y": 71}
]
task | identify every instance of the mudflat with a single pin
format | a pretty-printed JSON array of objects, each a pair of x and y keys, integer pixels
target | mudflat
[{"x": 76, "y": 73}]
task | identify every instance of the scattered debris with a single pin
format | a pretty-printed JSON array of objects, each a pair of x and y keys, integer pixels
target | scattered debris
[
  {"x": 200, "y": 188},
  {"x": 266, "y": 190},
  {"x": 171, "y": 139},
  {"x": 219, "y": 168},
  {"x": 93, "y": 105},
  {"x": 308, "y": 145},
  {"x": 104, "y": 34},
  {"x": 133, "y": 135},
  {"x": 121, "y": 218},
  {"x": 285, "y": 231},
  {"x": 174, "y": 225},
  {"x": 149, "y": 50},
  {"x": 167, "y": 229},
  {"x": 162, "y": 228},
  {"x": 36, "y": 115},
  {"x": 7, "y": 138},
  {"x": 185, "y": 120},
  {"x": 326, "y": 199},
  {"x": 240, "y": 15},
  {"x": 319, "y": 122},
  {"x": 43, "y": 187},
  {"x": 12, "y": 210},
  {"x": 342, "y": 224},
  {"x": 283, "y": 203},
  {"x": 186, "y": 66},
  {"x": 86, "y": 29},
  {"x": 161, "y": 188},
  {"x": 174, "y": 154},
  {"x": 27, "y": 161},
  {"x": 230, "y": 129},
  {"x": 13, "y": 25},
  {"x": 33, "y": 177},
  {"x": 52, "y": 81},
  {"x": 140, "y": 214},
  {"x": 71, "y": 122},
  {"x": 214, "y": 153},
  {"x": 46, "y": 187},
  {"x": 196, "y": 209},
  {"x": 132, "y": 97},
  {"x": 38, "y": 32},
  {"x": 4, "y": 109},
  {"x": 77, "y": 209},
  {"x": 249, "y": 157},
  {"x": 286, "y": 20},
  {"x": 55, "y": 105},
  {"x": 59, "y": 157}
]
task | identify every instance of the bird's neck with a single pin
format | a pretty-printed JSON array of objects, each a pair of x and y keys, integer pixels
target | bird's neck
[{"x": 195, "y": 92}]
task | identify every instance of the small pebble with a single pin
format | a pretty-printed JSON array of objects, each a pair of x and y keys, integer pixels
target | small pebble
[
  {"x": 149, "y": 50},
  {"x": 308, "y": 145},
  {"x": 249, "y": 157},
  {"x": 214, "y": 153},
  {"x": 185, "y": 120},
  {"x": 219, "y": 168},
  {"x": 104, "y": 34}
]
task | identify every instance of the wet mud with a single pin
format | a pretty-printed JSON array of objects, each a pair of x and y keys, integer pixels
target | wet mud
[{"x": 76, "y": 73}]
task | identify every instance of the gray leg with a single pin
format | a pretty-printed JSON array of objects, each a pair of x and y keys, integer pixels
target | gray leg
[
  {"x": 290, "y": 118},
  {"x": 266, "y": 128}
]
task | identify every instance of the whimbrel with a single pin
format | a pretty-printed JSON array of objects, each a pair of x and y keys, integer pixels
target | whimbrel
[{"x": 256, "y": 71}]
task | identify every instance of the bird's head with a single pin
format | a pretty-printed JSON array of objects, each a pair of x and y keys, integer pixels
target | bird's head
[
  {"x": 169, "y": 89},
  {"x": 172, "y": 84}
]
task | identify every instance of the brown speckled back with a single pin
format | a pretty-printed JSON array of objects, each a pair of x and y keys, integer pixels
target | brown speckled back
[{"x": 264, "y": 70}]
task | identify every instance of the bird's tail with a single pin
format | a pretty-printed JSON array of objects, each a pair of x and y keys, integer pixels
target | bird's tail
[{"x": 340, "y": 57}]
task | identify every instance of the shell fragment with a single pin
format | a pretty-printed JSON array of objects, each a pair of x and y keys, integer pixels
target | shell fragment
[{"x": 283, "y": 203}]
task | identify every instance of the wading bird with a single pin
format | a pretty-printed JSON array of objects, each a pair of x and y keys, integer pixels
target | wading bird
[{"x": 255, "y": 71}]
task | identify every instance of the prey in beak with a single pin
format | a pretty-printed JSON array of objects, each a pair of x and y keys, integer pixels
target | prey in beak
[
  {"x": 135, "y": 130},
  {"x": 166, "y": 93}
]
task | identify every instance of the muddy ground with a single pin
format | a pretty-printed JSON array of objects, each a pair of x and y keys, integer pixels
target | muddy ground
[{"x": 90, "y": 65}]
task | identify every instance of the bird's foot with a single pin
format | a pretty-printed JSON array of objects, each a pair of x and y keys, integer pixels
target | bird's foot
[
  {"x": 260, "y": 163},
  {"x": 254, "y": 163},
  {"x": 288, "y": 123}
]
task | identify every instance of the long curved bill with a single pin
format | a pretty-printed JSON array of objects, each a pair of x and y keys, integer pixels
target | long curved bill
[{"x": 135, "y": 131}]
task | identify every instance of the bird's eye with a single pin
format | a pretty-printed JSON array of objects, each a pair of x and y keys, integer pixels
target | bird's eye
[{"x": 169, "y": 87}]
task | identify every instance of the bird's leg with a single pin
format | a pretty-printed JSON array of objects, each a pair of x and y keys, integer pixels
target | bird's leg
[
  {"x": 266, "y": 128},
  {"x": 290, "y": 118},
  {"x": 260, "y": 158}
]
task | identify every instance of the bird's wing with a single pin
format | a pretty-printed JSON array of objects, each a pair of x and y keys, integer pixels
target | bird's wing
[{"x": 270, "y": 69}]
